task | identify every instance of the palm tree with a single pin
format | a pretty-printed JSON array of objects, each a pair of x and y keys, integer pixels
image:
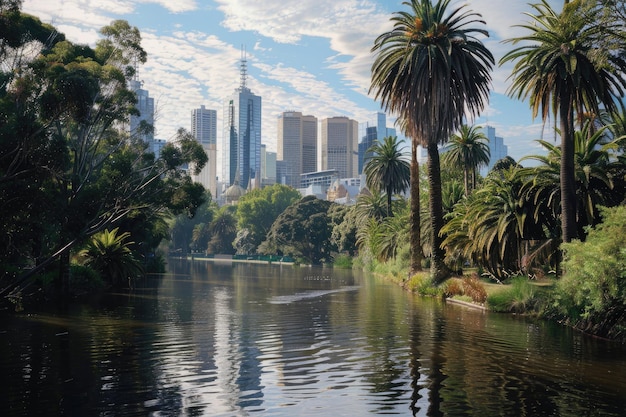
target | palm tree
[
  {"x": 370, "y": 206},
  {"x": 468, "y": 149},
  {"x": 110, "y": 254},
  {"x": 431, "y": 69},
  {"x": 387, "y": 170},
  {"x": 596, "y": 172},
  {"x": 560, "y": 66}
]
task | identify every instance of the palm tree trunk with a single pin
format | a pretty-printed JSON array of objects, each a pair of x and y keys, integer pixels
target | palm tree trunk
[
  {"x": 568, "y": 179},
  {"x": 438, "y": 268},
  {"x": 389, "y": 211},
  {"x": 415, "y": 223},
  {"x": 466, "y": 180}
]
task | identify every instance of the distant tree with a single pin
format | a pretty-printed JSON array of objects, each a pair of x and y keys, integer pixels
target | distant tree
[
  {"x": 223, "y": 230},
  {"x": 302, "y": 231},
  {"x": 387, "y": 170},
  {"x": 257, "y": 209},
  {"x": 468, "y": 149}
]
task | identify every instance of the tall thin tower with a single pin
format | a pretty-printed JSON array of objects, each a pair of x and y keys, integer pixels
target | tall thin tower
[{"x": 241, "y": 139}]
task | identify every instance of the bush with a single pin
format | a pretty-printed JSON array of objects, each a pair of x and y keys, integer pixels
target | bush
[
  {"x": 591, "y": 295},
  {"x": 343, "y": 261},
  {"x": 473, "y": 288},
  {"x": 84, "y": 279},
  {"x": 519, "y": 297}
]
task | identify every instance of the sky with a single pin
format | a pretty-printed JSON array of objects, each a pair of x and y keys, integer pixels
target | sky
[{"x": 311, "y": 56}]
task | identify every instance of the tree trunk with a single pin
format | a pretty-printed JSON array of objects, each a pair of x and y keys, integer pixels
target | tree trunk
[
  {"x": 389, "y": 210},
  {"x": 438, "y": 268},
  {"x": 568, "y": 178},
  {"x": 466, "y": 180},
  {"x": 415, "y": 231}
]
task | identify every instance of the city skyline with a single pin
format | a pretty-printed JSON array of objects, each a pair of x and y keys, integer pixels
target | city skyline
[{"x": 308, "y": 55}]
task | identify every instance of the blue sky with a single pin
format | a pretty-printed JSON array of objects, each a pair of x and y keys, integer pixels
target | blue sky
[{"x": 304, "y": 55}]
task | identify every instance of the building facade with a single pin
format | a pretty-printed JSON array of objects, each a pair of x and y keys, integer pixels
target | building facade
[
  {"x": 241, "y": 139},
  {"x": 340, "y": 146},
  {"x": 497, "y": 148},
  {"x": 145, "y": 106},
  {"x": 372, "y": 131},
  {"x": 204, "y": 129},
  {"x": 296, "y": 145}
]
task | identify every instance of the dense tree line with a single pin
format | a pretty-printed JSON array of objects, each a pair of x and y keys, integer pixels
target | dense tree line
[{"x": 68, "y": 168}]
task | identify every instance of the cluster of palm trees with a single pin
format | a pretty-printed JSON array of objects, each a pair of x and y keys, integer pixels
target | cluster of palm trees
[{"x": 433, "y": 72}]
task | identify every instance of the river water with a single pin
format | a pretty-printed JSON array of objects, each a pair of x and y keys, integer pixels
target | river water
[{"x": 236, "y": 340}]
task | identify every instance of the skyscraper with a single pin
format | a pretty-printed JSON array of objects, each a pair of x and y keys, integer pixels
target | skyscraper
[
  {"x": 371, "y": 132},
  {"x": 204, "y": 129},
  {"x": 241, "y": 139},
  {"x": 145, "y": 105},
  {"x": 204, "y": 125},
  {"x": 340, "y": 146},
  {"x": 497, "y": 148},
  {"x": 297, "y": 145}
]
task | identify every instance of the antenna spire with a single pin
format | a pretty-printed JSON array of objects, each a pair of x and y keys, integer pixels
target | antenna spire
[{"x": 243, "y": 69}]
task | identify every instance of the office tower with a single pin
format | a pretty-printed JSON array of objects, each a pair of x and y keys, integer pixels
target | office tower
[
  {"x": 204, "y": 125},
  {"x": 497, "y": 148},
  {"x": 145, "y": 106},
  {"x": 241, "y": 139},
  {"x": 204, "y": 129},
  {"x": 340, "y": 146},
  {"x": 297, "y": 145},
  {"x": 268, "y": 166},
  {"x": 372, "y": 131}
]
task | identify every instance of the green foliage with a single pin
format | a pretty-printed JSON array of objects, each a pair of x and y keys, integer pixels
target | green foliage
[
  {"x": 387, "y": 169},
  {"x": 469, "y": 150},
  {"x": 520, "y": 296},
  {"x": 223, "y": 231},
  {"x": 67, "y": 167},
  {"x": 302, "y": 231},
  {"x": 258, "y": 209},
  {"x": 343, "y": 261},
  {"x": 591, "y": 295},
  {"x": 110, "y": 255},
  {"x": 84, "y": 279},
  {"x": 425, "y": 41}
]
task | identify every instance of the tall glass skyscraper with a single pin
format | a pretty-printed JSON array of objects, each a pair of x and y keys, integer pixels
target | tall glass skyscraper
[
  {"x": 145, "y": 105},
  {"x": 241, "y": 147},
  {"x": 204, "y": 129}
]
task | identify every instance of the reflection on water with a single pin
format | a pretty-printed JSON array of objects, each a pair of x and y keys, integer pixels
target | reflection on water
[{"x": 236, "y": 340}]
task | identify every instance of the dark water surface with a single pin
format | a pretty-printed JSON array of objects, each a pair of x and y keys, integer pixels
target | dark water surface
[{"x": 237, "y": 340}]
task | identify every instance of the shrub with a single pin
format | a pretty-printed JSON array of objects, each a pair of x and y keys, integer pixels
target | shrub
[
  {"x": 84, "y": 279},
  {"x": 591, "y": 295},
  {"x": 343, "y": 261},
  {"x": 475, "y": 289},
  {"x": 519, "y": 297},
  {"x": 453, "y": 287}
]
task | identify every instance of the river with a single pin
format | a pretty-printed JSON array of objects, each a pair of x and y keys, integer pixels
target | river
[{"x": 211, "y": 339}]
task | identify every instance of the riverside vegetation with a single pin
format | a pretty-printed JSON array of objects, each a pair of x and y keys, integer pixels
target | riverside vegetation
[{"x": 552, "y": 232}]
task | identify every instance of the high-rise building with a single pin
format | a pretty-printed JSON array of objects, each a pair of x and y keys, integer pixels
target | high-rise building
[
  {"x": 145, "y": 106},
  {"x": 204, "y": 125},
  {"x": 204, "y": 129},
  {"x": 268, "y": 166},
  {"x": 372, "y": 131},
  {"x": 297, "y": 145},
  {"x": 497, "y": 148},
  {"x": 340, "y": 146},
  {"x": 241, "y": 139}
]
